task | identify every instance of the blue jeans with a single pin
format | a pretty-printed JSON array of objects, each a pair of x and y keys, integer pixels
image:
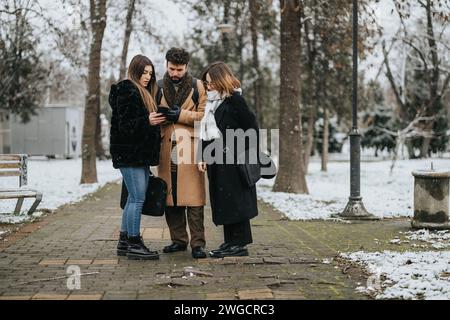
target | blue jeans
[{"x": 136, "y": 181}]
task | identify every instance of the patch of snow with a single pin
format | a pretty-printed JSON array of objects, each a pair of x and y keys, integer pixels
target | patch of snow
[
  {"x": 437, "y": 239},
  {"x": 408, "y": 275},
  {"x": 384, "y": 195},
  {"x": 59, "y": 181}
]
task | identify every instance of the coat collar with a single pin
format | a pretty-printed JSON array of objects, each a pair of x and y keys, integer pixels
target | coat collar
[{"x": 220, "y": 112}]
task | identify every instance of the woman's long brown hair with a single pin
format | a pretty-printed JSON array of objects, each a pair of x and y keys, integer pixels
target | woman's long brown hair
[
  {"x": 222, "y": 78},
  {"x": 135, "y": 71}
]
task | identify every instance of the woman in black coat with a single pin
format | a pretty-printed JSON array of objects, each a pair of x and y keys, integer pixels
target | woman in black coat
[
  {"x": 135, "y": 144},
  {"x": 233, "y": 202}
]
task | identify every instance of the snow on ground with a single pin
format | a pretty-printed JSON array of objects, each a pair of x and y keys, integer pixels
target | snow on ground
[
  {"x": 408, "y": 275},
  {"x": 58, "y": 180},
  {"x": 437, "y": 239},
  {"x": 383, "y": 195}
]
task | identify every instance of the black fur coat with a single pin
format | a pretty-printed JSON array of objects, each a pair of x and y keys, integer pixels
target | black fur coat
[{"x": 133, "y": 142}]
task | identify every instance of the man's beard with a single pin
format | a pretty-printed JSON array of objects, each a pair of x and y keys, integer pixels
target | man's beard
[{"x": 176, "y": 80}]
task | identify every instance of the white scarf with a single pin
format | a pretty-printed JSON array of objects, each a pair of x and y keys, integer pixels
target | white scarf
[{"x": 208, "y": 125}]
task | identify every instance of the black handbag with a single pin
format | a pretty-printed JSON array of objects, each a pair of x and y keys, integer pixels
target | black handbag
[
  {"x": 251, "y": 172},
  {"x": 155, "y": 198}
]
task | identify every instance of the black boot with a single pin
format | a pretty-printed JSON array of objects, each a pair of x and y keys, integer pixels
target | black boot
[
  {"x": 138, "y": 251},
  {"x": 122, "y": 246}
]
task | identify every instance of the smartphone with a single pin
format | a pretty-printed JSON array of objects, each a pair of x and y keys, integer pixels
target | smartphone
[{"x": 162, "y": 110}]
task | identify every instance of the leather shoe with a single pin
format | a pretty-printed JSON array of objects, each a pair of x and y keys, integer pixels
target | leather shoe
[
  {"x": 174, "y": 247},
  {"x": 198, "y": 253},
  {"x": 232, "y": 251},
  {"x": 222, "y": 247}
]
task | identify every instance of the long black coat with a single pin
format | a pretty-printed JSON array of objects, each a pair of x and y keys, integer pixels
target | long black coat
[
  {"x": 231, "y": 200},
  {"x": 133, "y": 141}
]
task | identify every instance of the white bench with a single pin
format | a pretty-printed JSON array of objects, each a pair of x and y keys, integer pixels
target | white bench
[{"x": 16, "y": 165}]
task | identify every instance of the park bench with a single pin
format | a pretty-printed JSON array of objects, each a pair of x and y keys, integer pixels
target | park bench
[{"x": 16, "y": 165}]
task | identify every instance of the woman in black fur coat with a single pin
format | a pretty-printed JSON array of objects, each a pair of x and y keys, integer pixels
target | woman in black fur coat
[{"x": 135, "y": 144}]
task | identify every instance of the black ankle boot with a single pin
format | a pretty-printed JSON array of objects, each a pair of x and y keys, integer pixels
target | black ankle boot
[
  {"x": 122, "y": 246},
  {"x": 138, "y": 251}
]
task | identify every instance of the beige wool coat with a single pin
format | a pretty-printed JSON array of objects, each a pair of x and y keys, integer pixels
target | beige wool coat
[{"x": 190, "y": 181}]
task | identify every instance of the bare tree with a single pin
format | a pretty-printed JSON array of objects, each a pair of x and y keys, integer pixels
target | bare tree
[
  {"x": 423, "y": 50},
  {"x": 126, "y": 40},
  {"x": 412, "y": 130},
  {"x": 257, "y": 85},
  {"x": 325, "y": 143},
  {"x": 291, "y": 176},
  {"x": 91, "y": 113}
]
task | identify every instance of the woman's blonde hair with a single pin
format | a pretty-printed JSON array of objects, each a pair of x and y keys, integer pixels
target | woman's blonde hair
[
  {"x": 135, "y": 72},
  {"x": 222, "y": 78}
]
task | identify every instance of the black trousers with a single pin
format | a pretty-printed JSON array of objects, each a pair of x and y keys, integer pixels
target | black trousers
[{"x": 239, "y": 234}]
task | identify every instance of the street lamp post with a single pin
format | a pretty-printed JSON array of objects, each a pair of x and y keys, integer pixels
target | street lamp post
[{"x": 355, "y": 209}]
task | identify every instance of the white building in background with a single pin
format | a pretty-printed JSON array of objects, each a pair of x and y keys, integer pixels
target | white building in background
[{"x": 56, "y": 130}]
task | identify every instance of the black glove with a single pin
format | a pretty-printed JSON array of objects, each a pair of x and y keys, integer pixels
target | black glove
[{"x": 173, "y": 114}]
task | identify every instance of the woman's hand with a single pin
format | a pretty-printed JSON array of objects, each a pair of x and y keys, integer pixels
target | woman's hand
[
  {"x": 202, "y": 166},
  {"x": 156, "y": 118}
]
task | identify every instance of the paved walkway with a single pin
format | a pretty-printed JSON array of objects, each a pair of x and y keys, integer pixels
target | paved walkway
[{"x": 288, "y": 260}]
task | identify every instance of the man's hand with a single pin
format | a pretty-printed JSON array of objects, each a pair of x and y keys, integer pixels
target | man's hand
[
  {"x": 202, "y": 166},
  {"x": 173, "y": 114},
  {"x": 156, "y": 118}
]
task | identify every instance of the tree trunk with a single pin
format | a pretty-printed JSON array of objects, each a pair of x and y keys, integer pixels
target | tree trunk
[
  {"x": 425, "y": 147},
  {"x": 126, "y": 39},
  {"x": 291, "y": 176},
  {"x": 325, "y": 141},
  {"x": 225, "y": 36},
  {"x": 309, "y": 139},
  {"x": 410, "y": 148},
  {"x": 433, "y": 107},
  {"x": 91, "y": 113},
  {"x": 99, "y": 150},
  {"x": 254, "y": 18},
  {"x": 312, "y": 94}
]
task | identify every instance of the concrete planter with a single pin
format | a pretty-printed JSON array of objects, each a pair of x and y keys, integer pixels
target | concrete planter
[{"x": 431, "y": 200}]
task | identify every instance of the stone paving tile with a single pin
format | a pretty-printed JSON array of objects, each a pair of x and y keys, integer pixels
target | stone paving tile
[
  {"x": 105, "y": 261},
  {"x": 79, "y": 261},
  {"x": 15, "y": 297},
  {"x": 288, "y": 295},
  {"x": 152, "y": 233},
  {"x": 276, "y": 260},
  {"x": 46, "y": 296},
  {"x": 166, "y": 234},
  {"x": 85, "y": 297},
  {"x": 52, "y": 262},
  {"x": 221, "y": 296},
  {"x": 254, "y": 294},
  {"x": 120, "y": 295},
  {"x": 252, "y": 261}
]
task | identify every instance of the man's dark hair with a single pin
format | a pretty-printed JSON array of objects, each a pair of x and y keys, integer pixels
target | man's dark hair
[{"x": 177, "y": 56}]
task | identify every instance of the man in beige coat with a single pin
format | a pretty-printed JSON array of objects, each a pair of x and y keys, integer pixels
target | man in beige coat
[{"x": 186, "y": 184}]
